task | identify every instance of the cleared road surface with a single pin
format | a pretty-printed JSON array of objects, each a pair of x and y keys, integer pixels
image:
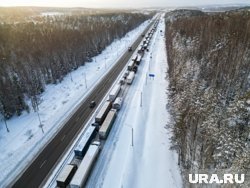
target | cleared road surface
[{"x": 42, "y": 165}]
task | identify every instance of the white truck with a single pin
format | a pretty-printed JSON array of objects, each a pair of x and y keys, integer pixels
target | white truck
[
  {"x": 82, "y": 173},
  {"x": 130, "y": 77},
  {"x": 114, "y": 92}
]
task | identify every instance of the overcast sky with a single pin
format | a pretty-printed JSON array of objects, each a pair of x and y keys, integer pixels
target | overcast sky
[{"x": 117, "y": 3}]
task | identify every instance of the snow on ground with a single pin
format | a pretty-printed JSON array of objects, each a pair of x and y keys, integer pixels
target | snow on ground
[
  {"x": 149, "y": 162},
  {"x": 26, "y": 138}
]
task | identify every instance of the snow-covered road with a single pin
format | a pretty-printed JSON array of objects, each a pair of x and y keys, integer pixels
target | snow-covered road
[{"x": 149, "y": 162}]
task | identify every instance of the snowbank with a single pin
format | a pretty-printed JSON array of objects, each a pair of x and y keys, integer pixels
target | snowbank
[
  {"x": 145, "y": 161},
  {"x": 26, "y": 138}
]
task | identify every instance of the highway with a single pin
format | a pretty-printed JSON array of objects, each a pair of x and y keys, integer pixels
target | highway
[{"x": 46, "y": 160}]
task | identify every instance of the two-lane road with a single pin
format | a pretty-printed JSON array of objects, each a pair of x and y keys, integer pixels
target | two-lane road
[{"x": 46, "y": 160}]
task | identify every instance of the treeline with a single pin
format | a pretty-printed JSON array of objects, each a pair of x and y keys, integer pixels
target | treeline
[
  {"x": 209, "y": 70},
  {"x": 33, "y": 54},
  {"x": 219, "y": 42},
  {"x": 29, "y": 13}
]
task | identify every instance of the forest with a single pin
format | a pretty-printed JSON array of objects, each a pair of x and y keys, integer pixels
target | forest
[
  {"x": 209, "y": 71},
  {"x": 42, "y": 51}
]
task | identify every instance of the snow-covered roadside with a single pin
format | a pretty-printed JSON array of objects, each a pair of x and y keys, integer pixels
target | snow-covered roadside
[
  {"x": 26, "y": 138},
  {"x": 150, "y": 162}
]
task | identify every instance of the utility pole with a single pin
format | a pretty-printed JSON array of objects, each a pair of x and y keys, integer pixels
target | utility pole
[
  {"x": 41, "y": 126},
  {"x": 150, "y": 61},
  {"x": 38, "y": 115},
  {"x": 132, "y": 134},
  {"x": 39, "y": 118},
  {"x": 70, "y": 76},
  {"x": 6, "y": 124},
  {"x": 35, "y": 106}
]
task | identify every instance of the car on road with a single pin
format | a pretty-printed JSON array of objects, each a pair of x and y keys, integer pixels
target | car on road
[
  {"x": 122, "y": 81},
  {"x": 130, "y": 49},
  {"x": 92, "y": 104}
]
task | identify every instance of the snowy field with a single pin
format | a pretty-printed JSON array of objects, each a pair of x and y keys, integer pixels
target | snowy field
[
  {"x": 146, "y": 160},
  {"x": 26, "y": 138}
]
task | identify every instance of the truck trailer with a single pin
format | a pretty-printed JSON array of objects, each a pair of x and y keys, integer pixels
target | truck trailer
[
  {"x": 82, "y": 173},
  {"x": 65, "y": 175},
  {"x": 130, "y": 77},
  {"x": 114, "y": 92},
  {"x": 107, "y": 124},
  {"x": 103, "y": 112}
]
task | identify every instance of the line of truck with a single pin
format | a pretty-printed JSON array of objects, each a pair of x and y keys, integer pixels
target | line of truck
[{"x": 75, "y": 174}]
